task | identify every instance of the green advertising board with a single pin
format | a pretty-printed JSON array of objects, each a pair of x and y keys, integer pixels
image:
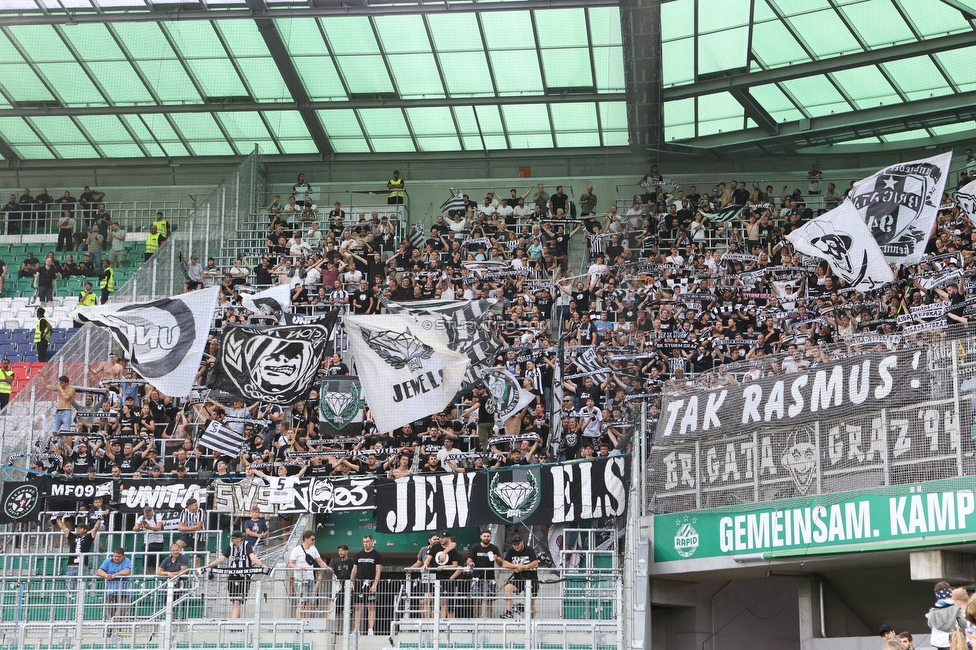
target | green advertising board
[{"x": 935, "y": 513}]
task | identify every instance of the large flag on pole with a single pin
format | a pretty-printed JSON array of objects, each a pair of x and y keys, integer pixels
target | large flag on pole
[
  {"x": 723, "y": 215},
  {"x": 163, "y": 339},
  {"x": 277, "y": 299},
  {"x": 406, "y": 372},
  {"x": 842, "y": 238},
  {"x": 966, "y": 200},
  {"x": 455, "y": 204},
  {"x": 272, "y": 364},
  {"x": 223, "y": 439},
  {"x": 899, "y": 205}
]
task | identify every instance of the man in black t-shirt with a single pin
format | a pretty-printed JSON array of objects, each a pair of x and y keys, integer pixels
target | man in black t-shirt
[
  {"x": 445, "y": 561},
  {"x": 483, "y": 557},
  {"x": 523, "y": 562},
  {"x": 366, "y": 571},
  {"x": 341, "y": 567},
  {"x": 80, "y": 541}
]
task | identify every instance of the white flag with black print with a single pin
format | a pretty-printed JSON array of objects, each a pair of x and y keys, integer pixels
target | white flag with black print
[
  {"x": 842, "y": 238},
  {"x": 723, "y": 215},
  {"x": 899, "y": 205},
  {"x": 407, "y": 373},
  {"x": 455, "y": 204},
  {"x": 163, "y": 339},
  {"x": 276, "y": 300},
  {"x": 223, "y": 439},
  {"x": 966, "y": 200},
  {"x": 506, "y": 397},
  {"x": 588, "y": 362}
]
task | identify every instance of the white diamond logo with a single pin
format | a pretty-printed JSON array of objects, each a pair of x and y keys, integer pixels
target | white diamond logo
[{"x": 339, "y": 402}]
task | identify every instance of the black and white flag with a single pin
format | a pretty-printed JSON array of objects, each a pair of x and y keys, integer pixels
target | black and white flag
[
  {"x": 275, "y": 300},
  {"x": 728, "y": 213},
  {"x": 341, "y": 406},
  {"x": 842, "y": 238},
  {"x": 223, "y": 439},
  {"x": 899, "y": 205},
  {"x": 417, "y": 236},
  {"x": 506, "y": 395},
  {"x": 272, "y": 364},
  {"x": 455, "y": 204},
  {"x": 407, "y": 373},
  {"x": 163, "y": 339},
  {"x": 587, "y": 362},
  {"x": 966, "y": 199}
]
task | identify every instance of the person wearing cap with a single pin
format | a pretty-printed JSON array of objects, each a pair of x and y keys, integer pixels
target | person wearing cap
[
  {"x": 395, "y": 186},
  {"x": 80, "y": 541},
  {"x": 426, "y": 579},
  {"x": 945, "y": 616},
  {"x": 523, "y": 562},
  {"x": 341, "y": 568},
  {"x": 241, "y": 555}
]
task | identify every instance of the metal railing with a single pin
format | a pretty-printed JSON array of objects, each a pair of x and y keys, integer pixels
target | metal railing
[{"x": 36, "y": 221}]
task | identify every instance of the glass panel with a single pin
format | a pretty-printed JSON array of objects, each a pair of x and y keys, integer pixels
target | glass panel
[
  {"x": 197, "y": 127},
  {"x": 918, "y": 77},
  {"x": 867, "y": 86},
  {"x": 679, "y": 61},
  {"x": 431, "y": 121},
  {"x": 567, "y": 68},
  {"x": 773, "y": 44},
  {"x": 264, "y": 79},
  {"x": 121, "y": 83},
  {"x": 350, "y": 35},
  {"x": 340, "y": 123},
  {"x": 76, "y": 151},
  {"x": 383, "y": 122},
  {"x": 244, "y": 126},
  {"x": 36, "y": 152},
  {"x": 142, "y": 134},
  {"x": 677, "y": 19},
  {"x": 719, "y": 106},
  {"x": 608, "y": 64},
  {"x": 41, "y": 43},
  {"x": 243, "y": 38},
  {"x": 404, "y": 34},
  {"x": 217, "y": 77},
  {"x": 118, "y": 150},
  {"x": 22, "y": 84},
  {"x": 175, "y": 149},
  {"x": 439, "y": 144},
  {"x": 931, "y": 18},
  {"x": 723, "y": 51},
  {"x": 445, "y": 28},
  {"x": 72, "y": 84},
  {"x": 349, "y": 145},
  {"x": 490, "y": 120},
  {"x": 144, "y": 40},
  {"x": 466, "y": 121},
  {"x": 531, "y": 140},
  {"x": 93, "y": 42},
  {"x": 793, "y": 7},
  {"x": 466, "y": 73},
  {"x": 495, "y": 142},
  {"x": 221, "y": 148},
  {"x": 817, "y": 95},
  {"x": 416, "y": 75},
  {"x": 298, "y": 146},
  {"x": 169, "y": 81},
  {"x": 720, "y": 15},
  {"x": 879, "y": 23},
  {"x": 615, "y": 139},
  {"x": 573, "y": 117},
  {"x": 906, "y": 135},
  {"x": 195, "y": 39},
  {"x": 776, "y": 103},
  {"x": 949, "y": 129},
  {"x": 17, "y": 131},
  {"x": 473, "y": 143},
  {"x": 301, "y": 36},
  {"x": 392, "y": 145},
  {"x": 58, "y": 130},
  {"x": 577, "y": 139},
  {"x": 605, "y": 25},
  {"x": 613, "y": 116},
  {"x": 365, "y": 74},
  {"x": 9, "y": 53},
  {"x": 286, "y": 124},
  {"x": 517, "y": 71},
  {"x": 527, "y": 119},
  {"x": 319, "y": 76},
  {"x": 508, "y": 30},
  {"x": 958, "y": 63},
  {"x": 825, "y": 33},
  {"x": 560, "y": 27},
  {"x": 680, "y": 112},
  {"x": 105, "y": 129}
]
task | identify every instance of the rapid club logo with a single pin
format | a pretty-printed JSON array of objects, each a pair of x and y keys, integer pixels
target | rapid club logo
[
  {"x": 398, "y": 350},
  {"x": 21, "y": 501},
  {"x": 513, "y": 500},
  {"x": 686, "y": 540}
]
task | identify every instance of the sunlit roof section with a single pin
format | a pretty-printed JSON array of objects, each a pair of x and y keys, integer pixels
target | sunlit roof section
[{"x": 814, "y": 60}]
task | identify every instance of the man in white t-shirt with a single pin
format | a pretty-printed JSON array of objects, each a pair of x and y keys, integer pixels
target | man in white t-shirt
[
  {"x": 304, "y": 581},
  {"x": 590, "y": 418},
  {"x": 298, "y": 247}
]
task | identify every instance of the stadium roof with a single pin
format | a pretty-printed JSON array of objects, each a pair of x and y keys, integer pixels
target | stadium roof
[{"x": 86, "y": 79}]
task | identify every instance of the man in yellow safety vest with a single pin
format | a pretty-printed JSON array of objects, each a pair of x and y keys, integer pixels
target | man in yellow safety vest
[{"x": 396, "y": 189}]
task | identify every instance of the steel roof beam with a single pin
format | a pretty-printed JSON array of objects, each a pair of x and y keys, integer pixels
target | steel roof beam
[
  {"x": 823, "y": 66},
  {"x": 91, "y": 16}
]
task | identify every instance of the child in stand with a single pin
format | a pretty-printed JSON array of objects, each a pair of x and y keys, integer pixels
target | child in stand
[{"x": 946, "y": 615}]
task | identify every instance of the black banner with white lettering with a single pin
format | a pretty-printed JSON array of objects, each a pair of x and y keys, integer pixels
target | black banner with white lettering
[
  {"x": 160, "y": 494},
  {"x": 64, "y": 494},
  {"x": 531, "y": 494},
  {"x": 867, "y": 382},
  {"x": 317, "y": 494}
]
